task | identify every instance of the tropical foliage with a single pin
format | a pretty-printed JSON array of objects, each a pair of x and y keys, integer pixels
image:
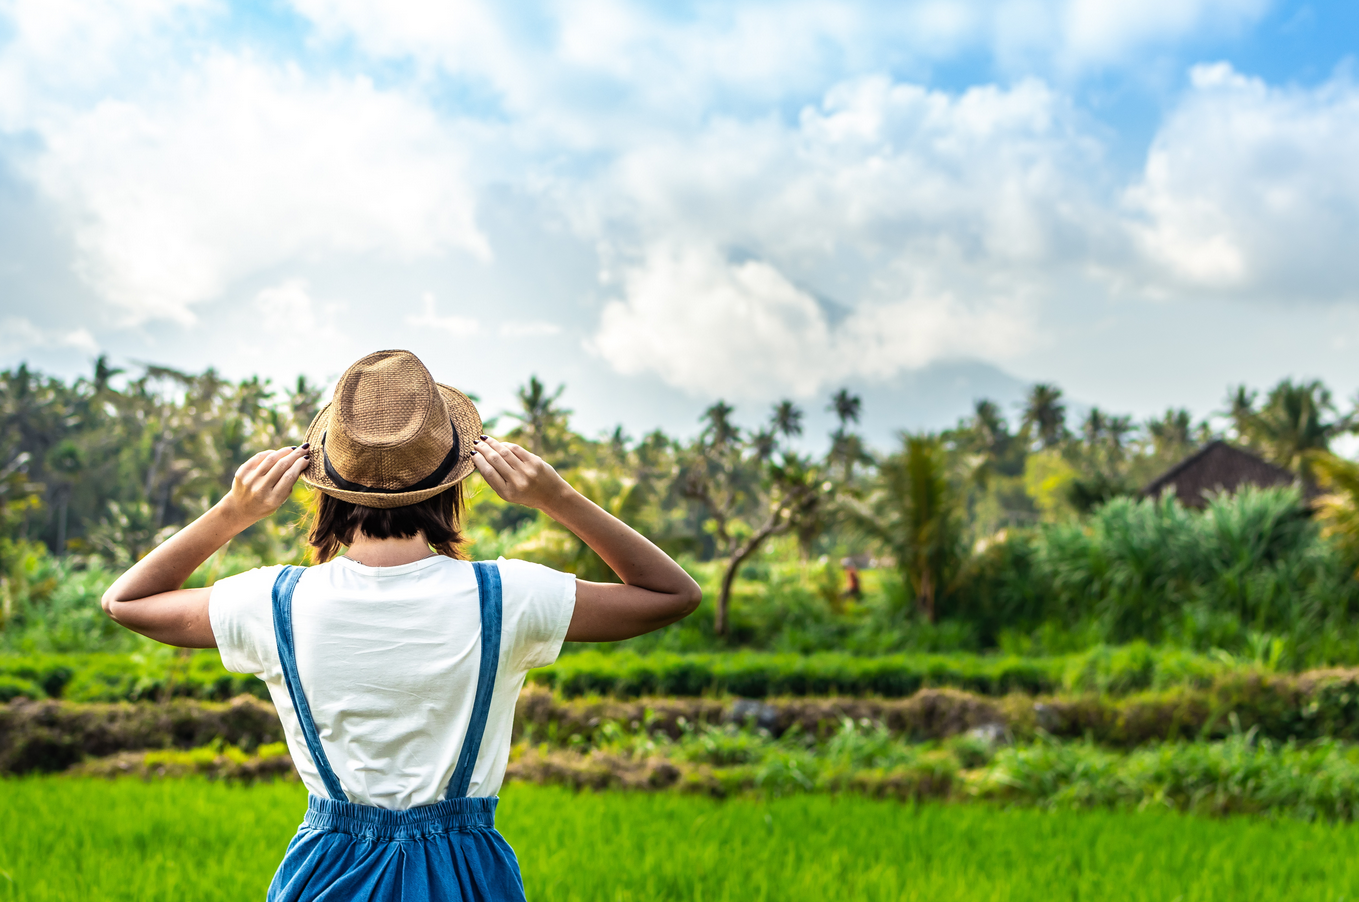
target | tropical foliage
[{"x": 1024, "y": 535}]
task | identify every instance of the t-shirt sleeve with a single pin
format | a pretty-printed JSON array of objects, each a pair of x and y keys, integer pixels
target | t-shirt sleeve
[
  {"x": 240, "y": 610},
  {"x": 537, "y": 606}
]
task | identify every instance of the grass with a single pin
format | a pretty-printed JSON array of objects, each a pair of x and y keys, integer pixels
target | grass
[{"x": 65, "y": 839}]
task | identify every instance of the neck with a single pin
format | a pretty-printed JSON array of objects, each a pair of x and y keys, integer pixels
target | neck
[{"x": 387, "y": 552}]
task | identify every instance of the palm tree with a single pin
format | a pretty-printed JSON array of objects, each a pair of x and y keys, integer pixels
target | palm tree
[
  {"x": 719, "y": 429},
  {"x": 751, "y": 490},
  {"x": 1044, "y": 415},
  {"x": 304, "y": 400},
  {"x": 103, "y": 373},
  {"x": 618, "y": 444},
  {"x": 915, "y": 513},
  {"x": 1173, "y": 434},
  {"x": 787, "y": 419},
  {"x": 1338, "y": 509},
  {"x": 1094, "y": 426},
  {"x": 1296, "y": 419},
  {"x": 764, "y": 442},
  {"x": 542, "y": 424},
  {"x": 847, "y": 447},
  {"x": 985, "y": 438},
  {"x": 1116, "y": 432},
  {"x": 1241, "y": 410},
  {"x": 990, "y": 428},
  {"x": 846, "y": 407}
]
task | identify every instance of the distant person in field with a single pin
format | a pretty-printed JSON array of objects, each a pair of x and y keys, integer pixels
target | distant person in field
[
  {"x": 395, "y": 666},
  {"x": 853, "y": 589}
]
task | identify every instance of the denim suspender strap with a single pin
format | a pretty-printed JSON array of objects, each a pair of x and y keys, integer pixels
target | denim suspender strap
[
  {"x": 488, "y": 592},
  {"x": 287, "y": 657}
]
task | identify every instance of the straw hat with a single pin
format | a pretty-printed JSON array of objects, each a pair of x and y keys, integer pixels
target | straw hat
[{"x": 391, "y": 436}]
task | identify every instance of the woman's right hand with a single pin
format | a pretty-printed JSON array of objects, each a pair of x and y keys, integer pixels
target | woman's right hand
[
  {"x": 518, "y": 475},
  {"x": 264, "y": 482}
]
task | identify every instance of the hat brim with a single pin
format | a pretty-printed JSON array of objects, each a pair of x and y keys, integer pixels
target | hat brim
[{"x": 467, "y": 423}]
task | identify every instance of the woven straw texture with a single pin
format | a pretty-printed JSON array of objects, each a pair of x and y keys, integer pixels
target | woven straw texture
[{"x": 388, "y": 427}]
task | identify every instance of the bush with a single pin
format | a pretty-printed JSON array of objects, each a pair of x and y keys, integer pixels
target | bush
[
  {"x": 854, "y": 734},
  {"x": 52, "y": 736},
  {"x": 160, "y": 672},
  {"x": 1303, "y": 708},
  {"x": 1250, "y": 573},
  {"x": 1241, "y": 775},
  {"x": 759, "y": 675},
  {"x": 12, "y": 687},
  {"x": 216, "y": 761}
]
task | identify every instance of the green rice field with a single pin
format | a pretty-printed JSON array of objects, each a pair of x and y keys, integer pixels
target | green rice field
[{"x": 64, "y": 838}]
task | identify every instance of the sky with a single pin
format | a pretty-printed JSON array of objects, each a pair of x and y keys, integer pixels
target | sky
[{"x": 663, "y": 204}]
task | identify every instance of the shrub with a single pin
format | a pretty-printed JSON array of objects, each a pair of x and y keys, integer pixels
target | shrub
[
  {"x": 12, "y": 687},
  {"x": 161, "y": 673},
  {"x": 760, "y": 675},
  {"x": 1249, "y": 569},
  {"x": 157, "y": 673},
  {"x": 52, "y": 736}
]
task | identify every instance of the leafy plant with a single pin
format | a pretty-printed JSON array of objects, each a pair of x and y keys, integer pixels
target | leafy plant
[{"x": 914, "y": 512}]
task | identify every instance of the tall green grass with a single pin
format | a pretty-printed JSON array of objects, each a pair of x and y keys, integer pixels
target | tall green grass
[
  {"x": 1250, "y": 574},
  {"x": 68, "y": 839}
]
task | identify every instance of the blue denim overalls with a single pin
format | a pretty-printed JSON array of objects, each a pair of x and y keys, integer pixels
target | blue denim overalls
[{"x": 446, "y": 851}]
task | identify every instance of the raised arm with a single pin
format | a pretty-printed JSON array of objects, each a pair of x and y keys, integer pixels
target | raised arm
[
  {"x": 147, "y": 599},
  {"x": 655, "y": 592}
]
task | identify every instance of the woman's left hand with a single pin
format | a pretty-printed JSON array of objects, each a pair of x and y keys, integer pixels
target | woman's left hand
[{"x": 148, "y": 599}]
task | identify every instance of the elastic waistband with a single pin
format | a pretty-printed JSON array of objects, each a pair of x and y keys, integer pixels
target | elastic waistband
[{"x": 461, "y": 815}]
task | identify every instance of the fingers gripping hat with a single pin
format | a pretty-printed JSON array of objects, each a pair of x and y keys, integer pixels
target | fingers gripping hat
[{"x": 391, "y": 436}]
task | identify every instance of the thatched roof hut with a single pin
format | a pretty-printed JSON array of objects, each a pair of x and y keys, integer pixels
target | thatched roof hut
[{"x": 1217, "y": 467}]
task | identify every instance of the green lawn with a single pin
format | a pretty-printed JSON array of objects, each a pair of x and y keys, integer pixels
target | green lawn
[{"x": 81, "y": 839}]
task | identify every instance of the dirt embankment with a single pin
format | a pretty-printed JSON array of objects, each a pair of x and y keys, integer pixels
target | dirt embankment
[{"x": 54, "y": 736}]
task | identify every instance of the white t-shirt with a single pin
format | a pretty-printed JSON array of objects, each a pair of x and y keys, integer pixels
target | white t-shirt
[{"x": 388, "y": 659}]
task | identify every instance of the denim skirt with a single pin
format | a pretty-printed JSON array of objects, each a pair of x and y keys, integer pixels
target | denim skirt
[{"x": 446, "y": 851}]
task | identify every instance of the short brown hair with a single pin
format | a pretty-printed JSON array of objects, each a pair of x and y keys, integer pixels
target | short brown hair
[{"x": 335, "y": 523}]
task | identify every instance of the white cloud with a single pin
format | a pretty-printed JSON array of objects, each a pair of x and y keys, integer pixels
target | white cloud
[
  {"x": 243, "y": 166},
  {"x": 927, "y": 221},
  {"x": 429, "y": 318},
  {"x": 19, "y": 334},
  {"x": 879, "y": 167},
  {"x": 57, "y": 46},
  {"x": 1100, "y": 32},
  {"x": 1253, "y": 190},
  {"x": 893, "y": 226},
  {"x": 744, "y": 330},
  {"x": 528, "y": 329},
  {"x": 752, "y": 242},
  {"x": 292, "y": 325},
  {"x": 632, "y": 66},
  {"x": 289, "y": 309},
  {"x": 465, "y": 37},
  {"x": 765, "y": 49},
  {"x": 709, "y": 327}
]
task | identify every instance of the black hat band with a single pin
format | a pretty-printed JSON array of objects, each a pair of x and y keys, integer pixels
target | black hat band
[{"x": 433, "y": 479}]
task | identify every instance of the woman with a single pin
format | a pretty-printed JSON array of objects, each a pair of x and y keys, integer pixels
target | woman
[{"x": 395, "y": 667}]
